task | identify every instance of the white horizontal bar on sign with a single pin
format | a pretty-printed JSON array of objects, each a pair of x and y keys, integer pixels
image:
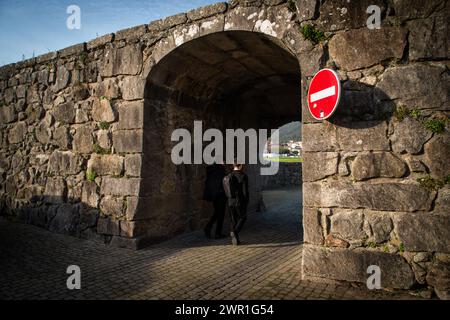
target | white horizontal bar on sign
[{"x": 322, "y": 94}]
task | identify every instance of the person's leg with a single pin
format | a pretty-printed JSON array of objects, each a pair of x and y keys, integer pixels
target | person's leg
[
  {"x": 242, "y": 218},
  {"x": 234, "y": 216}
]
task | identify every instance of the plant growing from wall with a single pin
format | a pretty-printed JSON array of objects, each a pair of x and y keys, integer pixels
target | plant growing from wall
[
  {"x": 91, "y": 175},
  {"x": 430, "y": 183},
  {"x": 447, "y": 179},
  {"x": 100, "y": 150},
  {"x": 435, "y": 125},
  {"x": 103, "y": 125},
  {"x": 402, "y": 112},
  {"x": 312, "y": 34}
]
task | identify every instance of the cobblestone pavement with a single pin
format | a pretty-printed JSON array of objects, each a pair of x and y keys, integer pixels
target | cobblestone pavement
[{"x": 267, "y": 265}]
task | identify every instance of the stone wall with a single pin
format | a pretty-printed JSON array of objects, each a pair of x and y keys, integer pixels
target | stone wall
[
  {"x": 85, "y": 131},
  {"x": 289, "y": 175}
]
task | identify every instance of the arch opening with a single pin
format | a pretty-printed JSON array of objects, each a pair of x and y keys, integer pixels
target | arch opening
[{"x": 226, "y": 80}]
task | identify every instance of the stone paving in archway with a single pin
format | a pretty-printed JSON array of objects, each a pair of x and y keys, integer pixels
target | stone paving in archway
[{"x": 267, "y": 266}]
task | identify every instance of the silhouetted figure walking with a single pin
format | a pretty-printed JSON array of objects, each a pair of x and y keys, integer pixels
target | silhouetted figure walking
[
  {"x": 215, "y": 193},
  {"x": 236, "y": 189}
]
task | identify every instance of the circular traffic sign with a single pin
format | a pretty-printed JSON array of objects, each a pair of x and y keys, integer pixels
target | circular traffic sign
[{"x": 324, "y": 94}]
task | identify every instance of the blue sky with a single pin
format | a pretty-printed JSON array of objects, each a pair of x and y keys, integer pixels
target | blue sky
[{"x": 36, "y": 27}]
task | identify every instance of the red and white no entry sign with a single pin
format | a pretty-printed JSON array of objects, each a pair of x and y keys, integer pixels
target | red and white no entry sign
[{"x": 324, "y": 94}]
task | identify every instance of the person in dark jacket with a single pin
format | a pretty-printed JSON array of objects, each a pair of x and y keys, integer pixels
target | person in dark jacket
[
  {"x": 215, "y": 193},
  {"x": 236, "y": 189}
]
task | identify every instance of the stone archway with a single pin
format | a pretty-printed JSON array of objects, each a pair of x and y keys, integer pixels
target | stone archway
[
  {"x": 227, "y": 80},
  {"x": 72, "y": 132}
]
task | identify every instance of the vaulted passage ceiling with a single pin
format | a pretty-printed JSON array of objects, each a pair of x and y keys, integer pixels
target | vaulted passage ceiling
[{"x": 247, "y": 66}]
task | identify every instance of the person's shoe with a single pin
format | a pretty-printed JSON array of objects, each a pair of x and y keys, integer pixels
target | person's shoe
[
  {"x": 234, "y": 239},
  {"x": 207, "y": 233},
  {"x": 219, "y": 236}
]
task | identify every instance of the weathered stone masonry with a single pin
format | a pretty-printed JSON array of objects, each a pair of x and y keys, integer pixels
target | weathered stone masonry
[{"x": 85, "y": 131}]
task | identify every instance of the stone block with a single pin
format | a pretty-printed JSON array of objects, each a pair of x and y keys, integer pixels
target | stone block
[
  {"x": 7, "y": 114},
  {"x": 102, "y": 111},
  {"x": 111, "y": 206},
  {"x": 66, "y": 220},
  {"x": 131, "y": 115},
  {"x": 243, "y": 18},
  {"x": 83, "y": 139},
  {"x": 406, "y": 85},
  {"x": 363, "y": 136},
  {"x": 128, "y": 141},
  {"x": 380, "y": 226},
  {"x": 207, "y": 11},
  {"x": 55, "y": 190},
  {"x": 343, "y": 14},
  {"x": 307, "y": 9},
  {"x": 61, "y": 138},
  {"x": 423, "y": 232},
  {"x": 132, "y": 88},
  {"x": 104, "y": 139},
  {"x": 72, "y": 50},
  {"x": 319, "y": 165},
  {"x": 437, "y": 155},
  {"x": 65, "y": 162},
  {"x": 428, "y": 39},
  {"x": 312, "y": 226},
  {"x": 106, "y": 164},
  {"x": 133, "y": 165},
  {"x": 122, "y": 61},
  {"x": 131, "y": 33},
  {"x": 168, "y": 22},
  {"x": 377, "y": 165},
  {"x": 89, "y": 194},
  {"x": 351, "y": 265},
  {"x": 413, "y": 9},
  {"x": 65, "y": 113},
  {"x": 108, "y": 88},
  {"x": 442, "y": 204},
  {"x": 319, "y": 137},
  {"x": 108, "y": 226},
  {"x": 409, "y": 136},
  {"x": 212, "y": 25},
  {"x": 347, "y": 224},
  {"x": 100, "y": 41},
  {"x": 400, "y": 197},
  {"x": 349, "y": 49},
  {"x": 120, "y": 186},
  {"x": 132, "y": 229},
  {"x": 17, "y": 133},
  {"x": 62, "y": 78}
]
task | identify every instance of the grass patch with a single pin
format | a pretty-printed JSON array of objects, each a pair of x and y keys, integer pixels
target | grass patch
[
  {"x": 403, "y": 112},
  {"x": 284, "y": 159},
  {"x": 447, "y": 179},
  {"x": 430, "y": 183},
  {"x": 401, "y": 247},
  {"x": 91, "y": 175},
  {"x": 312, "y": 34},
  {"x": 372, "y": 244},
  {"x": 103, "y": 125},
  {"x": 100, "y": 150},
  {"x": 435, "y": 125},
  {"x": 83, "y": 57}
]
